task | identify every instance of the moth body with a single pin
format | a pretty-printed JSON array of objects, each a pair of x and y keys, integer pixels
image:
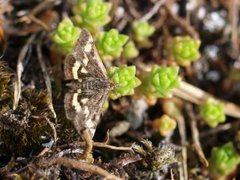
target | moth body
[
  {"x": 97, "y": 84},
  {"x": 91, "y": 84}
]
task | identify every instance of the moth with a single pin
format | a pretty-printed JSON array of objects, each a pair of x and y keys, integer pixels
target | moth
[{"x": 87, "y": 84}]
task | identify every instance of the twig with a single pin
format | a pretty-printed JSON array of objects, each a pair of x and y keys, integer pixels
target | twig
[
  {"x": 195, "y": 135},
  {"x": 44, "y": 151},
  {"x": 53, "y": 129},
  {"x": 120, "y": 148},
  {"x": 76, "y": 164},
  {"x": 43, "y": 6},
  {"x": 132, "y": 11},
  {"x": 182, "y": 132},
  {"x": 161, "y": 20},
  {"x": 183, "y": 23},
  {"x": 39, "y": 22},
  {"x": 20, "y": 69},
  {"x": 103, "y": 145},
  {"x": 153, "y": 11},
  {"x": 46, "y": 76},
  {"x": 233, "y": 17},
  {"x": 47, "y": 4},
  {"x": 195, "y": 95}
]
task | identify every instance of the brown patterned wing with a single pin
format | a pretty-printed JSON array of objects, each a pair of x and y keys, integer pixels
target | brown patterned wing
[
  {"x": 84, "y": 61},
  {"x": 84, "y": 110}
]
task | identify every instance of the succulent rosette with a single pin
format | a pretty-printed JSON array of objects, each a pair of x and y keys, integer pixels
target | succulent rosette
[
  {"x": 165, "y": 125},
  {"x": 65, "y": 36},
  {"x": 130, "y": 50},
  {"x": 185, "y": 50},
  {"x": 110, "y": 44},
  {"x": 142, "y": 30},
  {"x": 92, "y": 14},
  {"x": 223, "y": 160},
  {"x": 213, "y": 112},
  {"x": 164, "y": 79},
  {"x": 125, "y": 80}
]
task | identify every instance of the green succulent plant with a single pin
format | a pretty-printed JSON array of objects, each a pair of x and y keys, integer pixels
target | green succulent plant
[
  {"x": 163, "y": 80},
  {"x": 65, "y": 36},
  {"x": 124, "y": 78},
  {"x": 165, "y": 125},
  {"x": 110, "y": 44},
  {"x": 213, "y": 112},
  {"x": 223, "y": 160},
  {"x": 159, "y": 82},
  {"x": 130, "y": 51},
  {"x": 184, "y": 50},
  {"x": 92, "y": 14},
  {"x": 142, "y": 30}
]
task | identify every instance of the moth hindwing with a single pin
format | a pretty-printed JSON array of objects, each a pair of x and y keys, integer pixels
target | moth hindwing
[{"x": 88, "y": 85}]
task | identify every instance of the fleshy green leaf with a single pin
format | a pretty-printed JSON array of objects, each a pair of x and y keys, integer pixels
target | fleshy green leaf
[
  {"x": 92, "y": 14},
  {"x": 223, "y": 160},
  {"x": 164, "y": 79},
  {"x": 165, "y": 125},
  {"x": 213, "y": 112},
  {"x": 125, "y": 79},
  {"x": 130, "y": 50},
  {"x": 65, "y": 36},
  {"x": 110, "y": 44},
  {"x": 185, "y": 50},
  {"x": 142, "y": 30}
]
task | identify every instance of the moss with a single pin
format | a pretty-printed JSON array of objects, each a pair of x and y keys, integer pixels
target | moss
[{"x": 23, "y": 129}]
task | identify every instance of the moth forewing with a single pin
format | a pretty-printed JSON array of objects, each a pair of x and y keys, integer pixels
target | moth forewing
[
  {"x": 86, "y": 43},
  {"x": 71, "y": 67}
]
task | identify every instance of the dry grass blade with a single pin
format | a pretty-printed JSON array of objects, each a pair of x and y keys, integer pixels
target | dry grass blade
[
  {"x": 153, "y": 11},
  {"x": 182, "y": 23},
  {"x": 46, "y": 77},
  {"x": 20, "y": 69},
  {"x": 182, "y": 131},
  {"x": 234, "y": 19},
  {"x": 195, "y": 135},
  {"x": 53, "y": 129}
]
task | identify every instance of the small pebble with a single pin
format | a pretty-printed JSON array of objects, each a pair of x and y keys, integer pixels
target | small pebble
[
  {"x": 211, "y": 52},
  {"x": 214, "y": 21}
]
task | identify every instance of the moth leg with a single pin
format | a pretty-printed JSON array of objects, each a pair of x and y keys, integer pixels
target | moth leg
[{"x": 87, "y": 153}]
